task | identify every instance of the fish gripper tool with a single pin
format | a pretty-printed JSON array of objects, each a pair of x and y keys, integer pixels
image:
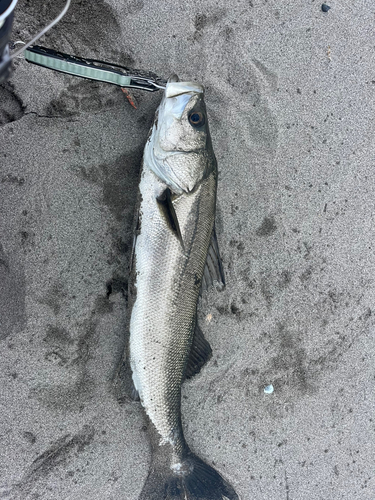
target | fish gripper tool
[{"x": 93, "y": 69}]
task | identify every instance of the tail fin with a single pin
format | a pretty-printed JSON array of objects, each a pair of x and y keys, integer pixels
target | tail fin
[{"x": 193, "y": 479}]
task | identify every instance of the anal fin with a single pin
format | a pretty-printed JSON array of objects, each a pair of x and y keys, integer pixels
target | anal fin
[
  {"x": 200, "y": 353},
  {"x": 123, "y": 385},
  {"x": 134, "y": 393}
]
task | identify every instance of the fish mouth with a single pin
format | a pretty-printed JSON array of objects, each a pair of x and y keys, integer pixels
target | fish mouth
[
  {"x": 177, "y": 95},
  {"x": 174, "y": 89}
]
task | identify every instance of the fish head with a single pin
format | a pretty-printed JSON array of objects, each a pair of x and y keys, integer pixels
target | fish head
[{"x": 179, "y": 149}]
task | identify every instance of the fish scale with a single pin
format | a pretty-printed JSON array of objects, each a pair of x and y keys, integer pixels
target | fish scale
[
  {"x": 164, "y": 312},
  {"x": 174, "y": 235}
]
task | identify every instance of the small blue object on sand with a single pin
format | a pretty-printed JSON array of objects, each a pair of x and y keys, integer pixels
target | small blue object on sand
[{"x": 268, "y": 389}]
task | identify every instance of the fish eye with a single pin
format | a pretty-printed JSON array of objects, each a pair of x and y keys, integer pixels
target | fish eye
[{"x": 196, "y": 119}]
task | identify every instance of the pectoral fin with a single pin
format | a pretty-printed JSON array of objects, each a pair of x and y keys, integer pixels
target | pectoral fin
[
  {"x": 137, "y": 226},
  {"x": 169, "y": 213},
  {"x": 213, "y": 270}
]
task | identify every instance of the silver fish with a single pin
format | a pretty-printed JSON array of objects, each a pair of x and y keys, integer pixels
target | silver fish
[{"x": 175, "y": 256}]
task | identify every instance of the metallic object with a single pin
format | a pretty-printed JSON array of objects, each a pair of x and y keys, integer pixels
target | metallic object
[
  {"x": 93, "y": 69},
  {"x": 6, "y": 21}
]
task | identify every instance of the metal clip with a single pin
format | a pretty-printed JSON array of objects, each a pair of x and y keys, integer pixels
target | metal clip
[{"x": 93, "y": 69}]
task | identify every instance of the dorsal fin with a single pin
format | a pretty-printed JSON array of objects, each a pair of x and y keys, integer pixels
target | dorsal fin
[{"x": 213, "y": 271}]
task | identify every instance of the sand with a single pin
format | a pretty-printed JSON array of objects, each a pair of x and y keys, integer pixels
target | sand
[{"x": 290, "y": 92}]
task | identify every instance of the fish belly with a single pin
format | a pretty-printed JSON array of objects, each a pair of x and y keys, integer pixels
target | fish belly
[{"x": 167, "y": 282}]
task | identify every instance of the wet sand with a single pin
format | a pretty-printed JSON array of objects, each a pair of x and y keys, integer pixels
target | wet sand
[{"x": 290, "y": 93}]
